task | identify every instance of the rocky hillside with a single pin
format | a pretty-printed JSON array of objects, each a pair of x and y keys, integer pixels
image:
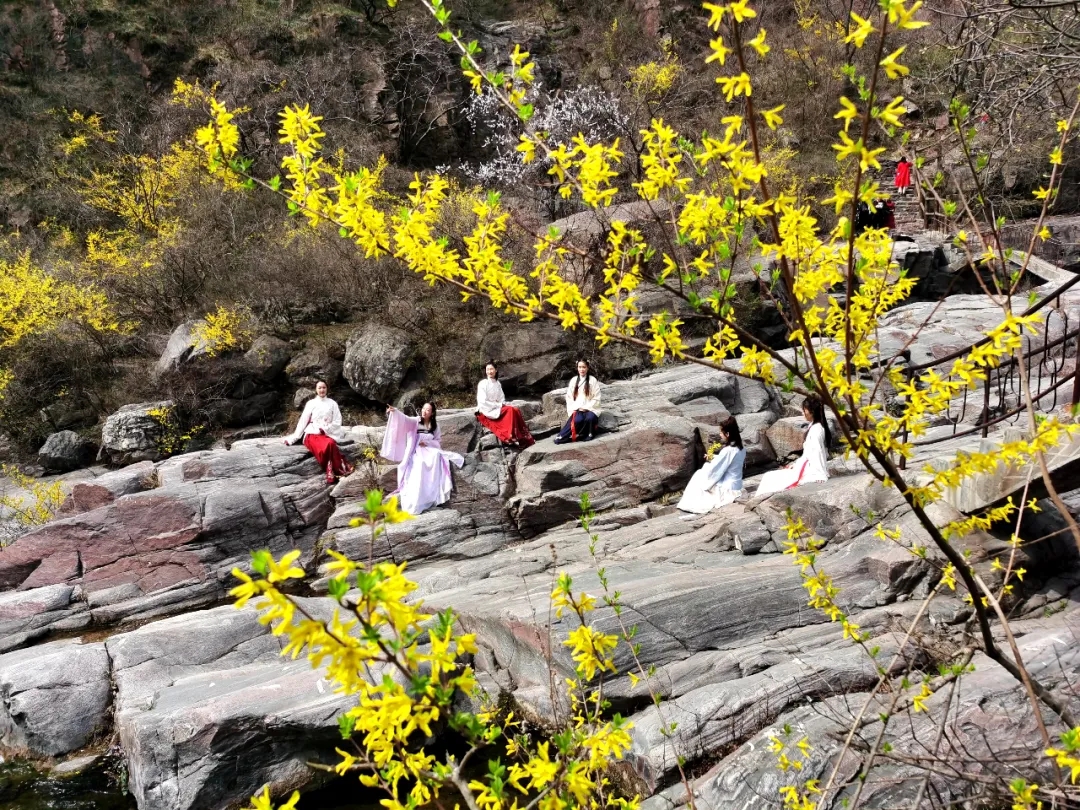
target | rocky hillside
[{"x": 84, "y": 105}]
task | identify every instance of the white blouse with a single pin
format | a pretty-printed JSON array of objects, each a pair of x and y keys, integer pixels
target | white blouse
[
  {"x": 815, "y": 454},
  {"x": 582, "y": 402},
  {"x": 321, "y": 415},
  {"x": 490, "y": 398},
  {"x": 725, "y": 470}
]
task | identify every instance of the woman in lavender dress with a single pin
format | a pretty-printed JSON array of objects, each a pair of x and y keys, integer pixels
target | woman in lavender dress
[{"x": 423, "y": 472}]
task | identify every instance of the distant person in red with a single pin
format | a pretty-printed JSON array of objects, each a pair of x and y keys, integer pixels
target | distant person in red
[
  {"x": 505, "y": 421},
  {"x": 903, "y": 176}
]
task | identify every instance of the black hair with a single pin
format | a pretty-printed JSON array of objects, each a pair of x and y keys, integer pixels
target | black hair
[
  {"x": 489, "y": 363},
  {"x": 817, "y": 414},
  {"x": 731, "y": 429},
  {"x": 588, "y": 373},
  {"x": 434, "y": 421}
]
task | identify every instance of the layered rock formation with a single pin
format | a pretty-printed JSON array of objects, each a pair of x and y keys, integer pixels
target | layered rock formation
[{"x": 206, "y": 711}]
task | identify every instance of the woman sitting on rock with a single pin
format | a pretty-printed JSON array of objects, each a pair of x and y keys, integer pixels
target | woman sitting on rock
[
  {"x": 810, "y": 466},
  {"x": 505, "y": 421},
  {"x": 423, "y": 473},
  {"x": 719, "y": 482},
  {"x": 582, "y": 406},
  {"x": 318, "y": 423}
]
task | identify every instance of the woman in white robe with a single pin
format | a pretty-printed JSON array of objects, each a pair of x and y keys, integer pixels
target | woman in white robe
[
  {"x": 423, "y": 473},
  {"x": 319, "y": 427},
  {"x": 503, "y": 420},
  {"x": 582, "y": 407},
  {"x": 810, "y": 467},
  {"x": 720, "y": 481}
]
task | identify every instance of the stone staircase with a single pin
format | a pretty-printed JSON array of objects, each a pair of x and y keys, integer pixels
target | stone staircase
[{"x": 908, "y": 212}]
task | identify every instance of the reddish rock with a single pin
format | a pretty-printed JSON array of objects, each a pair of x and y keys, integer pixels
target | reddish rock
[
  {"x": 85, "y": 498},
  {"x": 139, "y": 553}
]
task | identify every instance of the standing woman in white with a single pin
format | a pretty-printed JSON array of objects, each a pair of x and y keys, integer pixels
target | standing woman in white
[
  {"x": 582, "y": 406},
  {"x": 719, "y": 482},
  {"x": 319, "y": 423},
  {"x": 810, "y": 466}
]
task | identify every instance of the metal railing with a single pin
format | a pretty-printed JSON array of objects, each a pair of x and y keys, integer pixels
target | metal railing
[{"x": 1002, "y": 397}]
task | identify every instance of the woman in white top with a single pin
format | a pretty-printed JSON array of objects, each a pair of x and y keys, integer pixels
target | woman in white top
[
  {"x": 505, "y": 421},
  {"x": 318, "y": 423},
  {"x": 582, "y": 407},
  {"x": 810, "y": 466},
  {"x": 415, "y": 444},
  {"x": 719, "y": 482}
]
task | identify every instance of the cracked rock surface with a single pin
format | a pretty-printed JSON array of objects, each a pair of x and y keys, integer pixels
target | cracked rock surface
[{"x": 206, "y": 711}]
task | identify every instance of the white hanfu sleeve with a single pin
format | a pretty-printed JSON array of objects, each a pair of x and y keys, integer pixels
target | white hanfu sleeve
[
  {"x": 334, "y": 430},
  {"x": 305, "y": 418},
  {"x": 593, "y": 403},
  {"x": 720, "y": 464},
  {"x": 815, "y": 455},
  {"x": 400, "y": 429}
]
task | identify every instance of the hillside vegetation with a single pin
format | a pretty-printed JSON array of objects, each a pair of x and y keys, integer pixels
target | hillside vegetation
[{"x": 100, "y": 188}]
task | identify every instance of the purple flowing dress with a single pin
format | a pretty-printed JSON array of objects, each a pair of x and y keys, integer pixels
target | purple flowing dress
[{"x": 423, "y": 472}]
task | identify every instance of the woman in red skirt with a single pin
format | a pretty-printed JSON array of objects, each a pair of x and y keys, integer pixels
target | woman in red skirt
[
  {"x": 505, "y": 421},
  {"x": 319, "y": 421}
]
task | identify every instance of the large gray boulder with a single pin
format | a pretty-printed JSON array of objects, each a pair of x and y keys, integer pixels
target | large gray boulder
[
  {"x": 611, "y": 468},
  {"x": 532, "y": 357},
  {"x": 377, "y": 358},
  {"x": 714, "y": 716},
  {"x": 53, "y": 698},
  {"x": 185, "y": 344},
  {"x": 688, "y": 598},
  {"x": 135, "y": 432},
  {"x": 312, "y": 365},
  {"x": 207, "y": 711},
  {"x": 991, "y": 727},
  {"x": 66, "y": 451},
  {"x": 267, "y": 357}
]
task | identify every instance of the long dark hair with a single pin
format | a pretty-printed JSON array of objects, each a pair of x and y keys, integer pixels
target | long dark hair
[
  {"x": 817, "y": 414},
  {"x": 577, "y": 379},
  {"x": 730, "y": 428},
  {"x": 434, "y": 421}
]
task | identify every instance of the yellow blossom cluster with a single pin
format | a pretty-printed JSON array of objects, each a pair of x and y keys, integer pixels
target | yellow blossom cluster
[
  {"x": 405, "y": 668},
  {"x": 34, "y": 303},
  {"x": 223, "y": 330},
  {"x": 39, "y": 503},
  {"x": 792, "y": 753}
]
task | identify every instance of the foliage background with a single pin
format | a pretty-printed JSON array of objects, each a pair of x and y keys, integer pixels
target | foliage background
[{"x": 385, "y": 85}]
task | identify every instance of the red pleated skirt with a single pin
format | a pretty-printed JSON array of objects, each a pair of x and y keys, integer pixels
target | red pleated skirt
[
  {"x": 510, "y": 427},
  {"x": 326, "y": 451}
]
